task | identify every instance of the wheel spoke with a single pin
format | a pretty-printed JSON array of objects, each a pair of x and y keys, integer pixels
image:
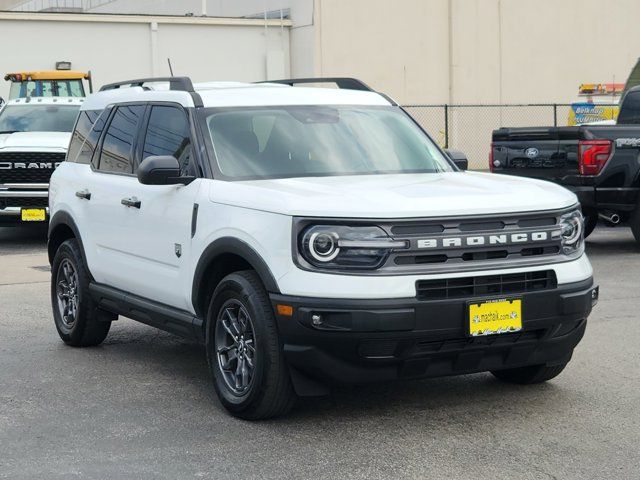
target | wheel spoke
[
  {"x": 227, "y": 361},
  {"x": 225, "y": 349},
  {"x": 245, "y": 373},
  {"x": 238, "y": 374},
  {"x": 226, "y": 327},
  {"x": 242, "y": 320},
  {"x": 249, "y": 361}
]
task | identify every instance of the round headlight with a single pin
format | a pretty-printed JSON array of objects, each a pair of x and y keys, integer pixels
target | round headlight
[
  {"x": 571, "y": 229},
  {"x": 323, "y": 246}
]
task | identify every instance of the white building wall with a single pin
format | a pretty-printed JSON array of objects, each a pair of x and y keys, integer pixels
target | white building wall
[
  {"x": 121, "y": 47},
  {"x": 478, "y": 51}
]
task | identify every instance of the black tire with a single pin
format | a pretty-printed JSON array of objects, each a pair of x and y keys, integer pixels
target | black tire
[
  {"x": 590, "y": 222},
  {"x": 529, "y": 375},
  {"x": 88, "y": 327},
  {"x": 266, "y": 391}
]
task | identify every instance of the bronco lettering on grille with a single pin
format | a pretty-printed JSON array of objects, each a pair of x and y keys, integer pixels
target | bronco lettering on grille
[{"x": 482, "y": 240}]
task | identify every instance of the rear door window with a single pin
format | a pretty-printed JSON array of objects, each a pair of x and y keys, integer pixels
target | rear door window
[{"x": 117, "y": 148}]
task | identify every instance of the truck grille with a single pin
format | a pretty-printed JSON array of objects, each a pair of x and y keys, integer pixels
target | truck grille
[
  {"x": 23, "y": 202},
  {"x": 507, "y": 284},
  {"x": 28, "y": 167},
  {"x": 436, "y": 245}
]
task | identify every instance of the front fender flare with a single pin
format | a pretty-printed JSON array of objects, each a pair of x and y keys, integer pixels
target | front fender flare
[{"x": 230, "y": 245}]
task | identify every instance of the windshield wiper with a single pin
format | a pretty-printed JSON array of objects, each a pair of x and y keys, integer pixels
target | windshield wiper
[{"x": 8, "y": 131}]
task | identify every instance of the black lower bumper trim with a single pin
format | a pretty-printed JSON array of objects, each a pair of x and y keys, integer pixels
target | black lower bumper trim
[{"x": 357, "y": 341}]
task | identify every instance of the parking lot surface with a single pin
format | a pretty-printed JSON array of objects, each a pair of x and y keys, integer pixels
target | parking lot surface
[{"x": 142, "y": 405}]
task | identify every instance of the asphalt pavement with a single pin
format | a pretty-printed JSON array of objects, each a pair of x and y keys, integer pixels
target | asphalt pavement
[{"x": 142, "y": 405}]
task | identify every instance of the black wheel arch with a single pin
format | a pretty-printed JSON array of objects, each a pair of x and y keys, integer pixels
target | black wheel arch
[
  {"x": 62, "y": 227},
  {"x": 223, "y": 256}
]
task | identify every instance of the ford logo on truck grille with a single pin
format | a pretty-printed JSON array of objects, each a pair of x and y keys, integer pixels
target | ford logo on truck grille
[{"x": 531, "y": 152}]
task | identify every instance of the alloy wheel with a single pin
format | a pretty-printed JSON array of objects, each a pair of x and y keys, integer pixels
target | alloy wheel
[
  {"x": 67, "y": 293},
  {"x": 235, "y": 346}
]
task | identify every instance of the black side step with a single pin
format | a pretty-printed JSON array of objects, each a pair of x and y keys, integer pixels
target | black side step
[{"x": 149, "y": 312}]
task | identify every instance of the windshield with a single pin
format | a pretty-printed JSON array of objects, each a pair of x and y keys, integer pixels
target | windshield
[
  {"x": 46, "y": 88},
  {"x": 38, "y": 118},
  {"x": 298, "y": 141}
]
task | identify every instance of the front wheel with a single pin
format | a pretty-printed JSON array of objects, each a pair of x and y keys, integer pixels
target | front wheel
[
  {"x": 78, "y": 321},
  {"x": 529, "y": 375},
  {"x": 244, "y": 353}
]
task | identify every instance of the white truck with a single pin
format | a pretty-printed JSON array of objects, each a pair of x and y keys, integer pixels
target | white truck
[
  {"x": 34, "y": 136},
  {"x": 308, "y": 236}
]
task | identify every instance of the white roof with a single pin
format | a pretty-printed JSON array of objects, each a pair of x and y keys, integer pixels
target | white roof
[
  {"x": 47, "y": 101},
  {"x": 236, "y": 94}
]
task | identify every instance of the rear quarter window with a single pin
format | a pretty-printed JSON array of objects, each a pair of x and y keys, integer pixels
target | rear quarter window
[{"x": 85, "y": 136}]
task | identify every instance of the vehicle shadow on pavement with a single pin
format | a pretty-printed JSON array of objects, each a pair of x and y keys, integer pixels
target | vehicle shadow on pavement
[
  {"x": 22, "y": 239},
  {"x": 153, "y": 354}
]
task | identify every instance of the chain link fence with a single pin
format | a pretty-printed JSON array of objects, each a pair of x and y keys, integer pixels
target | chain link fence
[{"x": 468, "y": 127}]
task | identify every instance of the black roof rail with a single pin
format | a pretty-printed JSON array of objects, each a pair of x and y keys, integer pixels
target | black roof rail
[
  {"x": 342, "y": 82},
  {"x": 175, "y": 83},
  {"x": 181, "y": 84}
]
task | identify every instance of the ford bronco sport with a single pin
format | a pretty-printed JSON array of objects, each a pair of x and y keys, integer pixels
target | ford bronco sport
[{"x": 308, "y": 236}]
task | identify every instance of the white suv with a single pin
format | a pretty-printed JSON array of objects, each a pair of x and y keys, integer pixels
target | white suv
[{"x": 308, "y": 236}]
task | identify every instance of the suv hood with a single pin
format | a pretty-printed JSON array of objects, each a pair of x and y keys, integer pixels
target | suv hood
[
  {"x": 39, "y": 140},
  {"x": 395, "y": 196}
]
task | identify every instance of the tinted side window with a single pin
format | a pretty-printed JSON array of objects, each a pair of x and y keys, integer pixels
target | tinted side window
[
  {"x": 85, "y": 136},
  {"x": 168, "y": 134},
  {"x": 117, "y": 148},
  {"x": 630, "y": 110}
]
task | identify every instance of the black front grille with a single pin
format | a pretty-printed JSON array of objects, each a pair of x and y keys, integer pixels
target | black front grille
[
  {"x": 23, "y": 202},
  {"x": 508, "y": 284},
  {"x": 28, "y": 167}
]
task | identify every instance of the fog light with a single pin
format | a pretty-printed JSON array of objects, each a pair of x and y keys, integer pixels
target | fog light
[
  {"x": 316, "y": 320},
  {"x": 595, "y": 293}
]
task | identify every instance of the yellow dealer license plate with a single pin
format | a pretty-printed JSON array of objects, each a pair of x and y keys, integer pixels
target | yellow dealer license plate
[
  {"x": 495, "y": 316},
  {"x": 33, "y": 214}
]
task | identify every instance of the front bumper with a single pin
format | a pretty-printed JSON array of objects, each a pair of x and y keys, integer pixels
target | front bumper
[
  {"x": 362, "y": 341},
  {"x": 12, "y": 200}
]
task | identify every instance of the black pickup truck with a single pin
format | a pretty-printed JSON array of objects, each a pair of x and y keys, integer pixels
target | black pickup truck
[{"x": 600, "y": 163}]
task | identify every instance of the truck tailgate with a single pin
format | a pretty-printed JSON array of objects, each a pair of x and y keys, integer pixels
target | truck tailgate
[{"x": 549, "y": 153}]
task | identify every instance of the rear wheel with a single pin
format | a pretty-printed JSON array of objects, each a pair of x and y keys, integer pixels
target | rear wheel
[
  {"x": 244, "y": 353},
  {"x": 78, "y": 321},
  {"x": 529, "y": 375}
]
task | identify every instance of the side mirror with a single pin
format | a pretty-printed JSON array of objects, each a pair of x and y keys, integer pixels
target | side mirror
[
  {"x": 459, "y": 158},
  {"x": 161, "y": 170}
]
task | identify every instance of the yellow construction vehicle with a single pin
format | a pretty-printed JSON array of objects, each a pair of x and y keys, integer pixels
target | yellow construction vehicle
[{"x": 55, "y": 83}]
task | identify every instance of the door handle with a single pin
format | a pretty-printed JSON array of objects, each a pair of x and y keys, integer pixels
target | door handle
[
  {"x": 131, "y": 202},
  {"x": 84, "y": 194}
]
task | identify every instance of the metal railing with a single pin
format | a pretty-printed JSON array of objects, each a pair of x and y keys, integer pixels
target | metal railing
[{"x": 469, "y": 127}]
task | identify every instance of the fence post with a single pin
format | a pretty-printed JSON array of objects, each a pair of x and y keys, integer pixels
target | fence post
[
  {"x": 555, "y": 114},
  {"x": 446, "y": 126}
]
